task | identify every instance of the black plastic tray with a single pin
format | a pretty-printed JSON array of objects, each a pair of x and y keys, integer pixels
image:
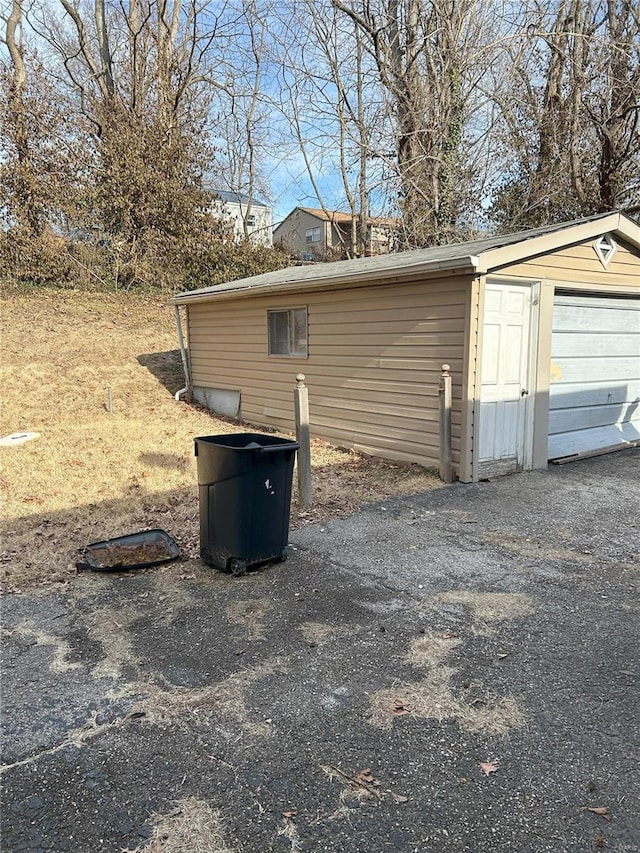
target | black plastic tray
[{"x": 135, "y": 551}]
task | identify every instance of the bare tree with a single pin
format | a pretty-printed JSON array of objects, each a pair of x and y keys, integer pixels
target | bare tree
[
  {"x": 243, "y": 114},
  {"x": 427, "y": 55},
  {"x": 614, "y": 108},
  {"x": 570, "y": 110},
  {"x": 330, "y": 100}
]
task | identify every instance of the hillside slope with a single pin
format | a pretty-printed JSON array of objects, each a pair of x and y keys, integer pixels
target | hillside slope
[{"x": 93, "y": 474}]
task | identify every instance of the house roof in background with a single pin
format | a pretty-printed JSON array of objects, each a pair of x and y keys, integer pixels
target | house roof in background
[
  {"x": 338, "y": 217},
  {"x": 236, "y": 198},
  {"x": 473, "y": 257}
]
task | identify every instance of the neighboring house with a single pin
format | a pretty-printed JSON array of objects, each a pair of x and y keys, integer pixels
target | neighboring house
[
  {"x": 310, "y": 234},
  {"x": 240, "y": 210},
  {"x": 541, "y": 329}
]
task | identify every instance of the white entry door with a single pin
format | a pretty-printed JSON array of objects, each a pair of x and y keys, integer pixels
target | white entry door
[{"x": 503, "y": 440}]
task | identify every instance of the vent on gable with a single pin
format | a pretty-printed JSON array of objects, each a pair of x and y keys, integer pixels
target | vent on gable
[{"x": 605, "y": 247}]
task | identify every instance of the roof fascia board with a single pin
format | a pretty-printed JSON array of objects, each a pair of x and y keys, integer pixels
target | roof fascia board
[
  {"x": 516, "y": 252},
  {"x": 459, "y": 266}
]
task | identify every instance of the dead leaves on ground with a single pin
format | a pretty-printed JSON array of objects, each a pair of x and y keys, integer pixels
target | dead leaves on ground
[
  {"x": 362, "y": 782},
  {"x": 488, "y": 767},
  {"x": 362, "y": 785},
  {"x": 602, "y": 811}
]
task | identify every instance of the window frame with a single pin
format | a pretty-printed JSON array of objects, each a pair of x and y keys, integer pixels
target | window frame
[
  {"x": 605, "y": 247},
  {"x": 290, "y": 312},
  {"x": 310, "y": 235}
]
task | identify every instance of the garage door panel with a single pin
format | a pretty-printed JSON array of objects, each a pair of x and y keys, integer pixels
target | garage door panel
[
  {"x": 594, "y": 369},
  {"x": 575, "y": 419},
  {"x": 581, "y": 317},
  {"x": 566, "y": 444},
  {"x": 604, "y": 344},
  {"x": 569, "y": 395},
  {"x": 594, "y": 393}
]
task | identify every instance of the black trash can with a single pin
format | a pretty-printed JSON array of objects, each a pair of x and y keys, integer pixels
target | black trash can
[{"x": 245, "y": 498}]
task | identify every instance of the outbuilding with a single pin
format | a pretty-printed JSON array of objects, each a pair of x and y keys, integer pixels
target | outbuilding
[{"x": 541, "y": 330}]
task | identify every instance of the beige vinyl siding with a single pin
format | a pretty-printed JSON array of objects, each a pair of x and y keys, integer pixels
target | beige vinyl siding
[
  {"x": 375, "y": 356},
  {"x": 579, "y": 264}
]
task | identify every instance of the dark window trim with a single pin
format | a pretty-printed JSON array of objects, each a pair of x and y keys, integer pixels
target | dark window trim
[{"x": 291, "y": 328}]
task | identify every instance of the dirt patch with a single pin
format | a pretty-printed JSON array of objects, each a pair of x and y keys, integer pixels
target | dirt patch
[
  {"x": 110, "y": 627},
  {"x": 95, "y": 474},
  {"x": 171, "y": 594},
  {"x": 192, "y": 826},
  {"x": 432, "y": 649}
]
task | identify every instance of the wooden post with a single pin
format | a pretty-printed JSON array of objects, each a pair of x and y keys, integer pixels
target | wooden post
[
  {"x": 444, "y": 392},
  {"x": 301, "y": 400}
]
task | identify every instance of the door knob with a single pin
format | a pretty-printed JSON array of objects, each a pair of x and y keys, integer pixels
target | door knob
[{"x": 524, "y": 392}]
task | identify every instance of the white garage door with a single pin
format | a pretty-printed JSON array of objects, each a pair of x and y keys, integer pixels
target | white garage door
[{"x": 595, "y": 374}]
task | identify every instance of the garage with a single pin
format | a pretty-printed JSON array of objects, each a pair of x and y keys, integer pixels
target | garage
[
  {"x": 539, "y": 330},
  {"x": 594, "y": 391}
]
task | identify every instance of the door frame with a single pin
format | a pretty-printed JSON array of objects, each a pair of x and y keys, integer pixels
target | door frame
[{"x": 533, "y": 287}]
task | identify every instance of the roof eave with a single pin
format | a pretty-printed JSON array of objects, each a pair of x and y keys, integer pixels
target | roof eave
[
  {"x": 467, "y": 265},
  {"x": 616, "y": 222}
]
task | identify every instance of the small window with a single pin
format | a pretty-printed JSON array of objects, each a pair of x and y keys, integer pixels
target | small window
[
  {"x": 312, "y": 235},
  {"x": 288, "y": 332},
  {"x": 251, "y": 220}
]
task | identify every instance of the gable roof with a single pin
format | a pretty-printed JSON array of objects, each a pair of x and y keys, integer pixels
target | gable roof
[
  {"x": 338, "y": 217},
  {"x": 326, "y": 216},
  {"x": 473, "y": 257}
]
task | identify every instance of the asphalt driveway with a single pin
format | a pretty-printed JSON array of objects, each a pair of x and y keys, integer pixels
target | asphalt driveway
[{"x": 456, "y": 671}]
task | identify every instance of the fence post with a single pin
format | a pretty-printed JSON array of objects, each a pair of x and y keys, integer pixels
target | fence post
[
  {"x": 301, "y": 400},
  {"x": 444, "y": 392}
]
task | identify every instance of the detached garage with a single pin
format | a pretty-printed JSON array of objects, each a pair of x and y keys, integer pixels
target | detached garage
[{"x": 541, "y": 330}]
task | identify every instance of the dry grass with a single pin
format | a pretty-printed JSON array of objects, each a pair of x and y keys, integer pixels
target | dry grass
[
  {"x": 433, "y": 696},
  {"x": 92, "y": 475},
  {"x": 249, "y": 615},
  {"x": 431, "y": 650},
  {"x": 319, "y": 633},
  {"x": 489, "y": 606},
  {"x": 225, "y": 699},
  {"x": 192, "y": 827}
]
